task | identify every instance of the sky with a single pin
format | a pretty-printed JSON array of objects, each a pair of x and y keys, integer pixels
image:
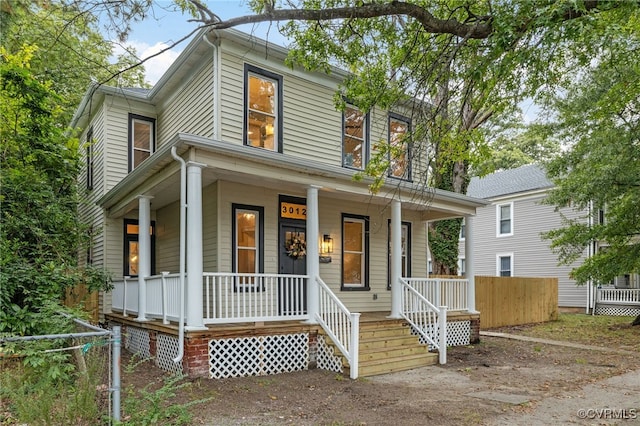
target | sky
[{"x": 168, "y": 25}]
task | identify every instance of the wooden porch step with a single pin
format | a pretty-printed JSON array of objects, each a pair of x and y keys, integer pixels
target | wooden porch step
[
  {"x": 392, "y": 365},
  {"x": 387, "y": 346}
]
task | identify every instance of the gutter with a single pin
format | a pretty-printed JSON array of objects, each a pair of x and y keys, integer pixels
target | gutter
[{"x": 183, "y": 243}]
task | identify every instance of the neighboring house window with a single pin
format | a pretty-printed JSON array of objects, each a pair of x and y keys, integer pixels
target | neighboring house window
[
  {"x": 142, "y": 131},
  {"x": 504, "y": 265},
  {"x": 354, "y": 138},
  {"x": 462, "y": 266},
  {"x": 132, "y": 247},
  {"x": 504, "y": 219},
  {"x": 90, "y": 159},
  {"x": 355, "y": 252},
  {"x": 263, "y": 109},
  {"x": 405, "y": 244},
  {"x": 601, "y": 216},
  {"x": 463, "y": 229},
  {"x": 248, "y": 237},
  {"x": 399, "y": 150}
]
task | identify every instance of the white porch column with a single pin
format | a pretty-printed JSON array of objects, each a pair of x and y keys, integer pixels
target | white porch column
[
  {"x": 468, "y": 258},
  {"x": 194, "y": 246},
  {"x": 396, "y": 258},
  {"x": 313, "y": 253},
  {"x": 144, "y": 253}
]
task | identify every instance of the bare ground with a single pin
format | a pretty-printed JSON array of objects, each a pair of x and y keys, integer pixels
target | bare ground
[{"x": 497, "y": 381}]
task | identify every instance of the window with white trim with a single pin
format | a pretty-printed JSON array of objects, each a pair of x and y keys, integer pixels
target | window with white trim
[
  {"x": 463, "y": 229},
  {"x": 355, "y": 252},
  {"x": 462, "y": 266},
  {"x": 263, "y": 109},
  {"x": 354, "y": 138},
  {"x": 142, "y": 142},
  {"x": 504, "y": 219},
  {"x": 504, "y": 265}
]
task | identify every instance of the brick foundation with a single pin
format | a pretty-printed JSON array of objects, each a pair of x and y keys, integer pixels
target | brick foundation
[
  {"x": 196, "y": 357},
  {"x": 474, "y": 336}
]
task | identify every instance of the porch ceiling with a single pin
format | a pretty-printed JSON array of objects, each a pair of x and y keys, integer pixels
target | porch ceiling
[{"x": 159, "y": 177}]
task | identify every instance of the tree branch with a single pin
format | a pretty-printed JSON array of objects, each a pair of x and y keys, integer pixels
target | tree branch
[{"x": 478, "y": 30}]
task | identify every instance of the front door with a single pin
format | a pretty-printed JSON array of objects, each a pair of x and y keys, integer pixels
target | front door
[{"x": 293, "y": 261}]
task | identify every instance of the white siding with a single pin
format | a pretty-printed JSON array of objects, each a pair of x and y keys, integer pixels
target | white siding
[
  {"x": 532, "y": 256},
  {"x": 191, "y": 109}
]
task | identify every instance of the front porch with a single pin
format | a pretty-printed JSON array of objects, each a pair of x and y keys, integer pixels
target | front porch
[
  {"x": 617, "y": 301},
  {"x": 259, "y": 324}
]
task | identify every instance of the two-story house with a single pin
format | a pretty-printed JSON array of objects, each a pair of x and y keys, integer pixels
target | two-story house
[
  {"x": 508, "y": 232},
  {"x": 223, "y": 202}
]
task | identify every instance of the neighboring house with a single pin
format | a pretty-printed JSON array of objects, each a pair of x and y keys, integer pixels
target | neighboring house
[
  {"x": 507, "y": 233},
  {"x": 223, "y": 202}
]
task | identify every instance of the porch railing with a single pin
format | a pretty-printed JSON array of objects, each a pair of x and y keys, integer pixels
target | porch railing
[
  {"x": 232, "y": 297},
  {"x": 449, "y": 292},
  {"x": 425, "y": 318},
  {"x": 124, "y": 296},
  {"x": 342, "y": 326},
  {"x": 618, "y": 296}
]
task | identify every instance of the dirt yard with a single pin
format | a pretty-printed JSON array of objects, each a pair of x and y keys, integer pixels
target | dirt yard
[{"x": 497, "y": 381}]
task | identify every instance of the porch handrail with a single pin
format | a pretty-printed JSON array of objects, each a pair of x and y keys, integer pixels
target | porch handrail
[
  {"x": 231, "y": 297},
  {"x": 425, "y": 318},
  {"x": 618, "y": 296},
  {"x": 341, "y": 325},
  {"x": 449, "y": 292}
]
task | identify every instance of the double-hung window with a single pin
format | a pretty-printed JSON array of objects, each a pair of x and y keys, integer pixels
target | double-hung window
[
  {"x": 142, "y": 142},
  {"x": 399, "y": 148},
  {"x": 504, "y": 265},
  {"x": 355, "y": 252},
  {"x": 263, "y": 109},
  {"x": 248, "y": 237},
  {"x": 132, "y": 247},
  {"x": 354, "y": 138},
  {"x": 504, "y": 219},
  {"x": 405, "y": 246}
]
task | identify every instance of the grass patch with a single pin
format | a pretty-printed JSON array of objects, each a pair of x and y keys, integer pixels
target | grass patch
[{"x": 596, "y": 330}]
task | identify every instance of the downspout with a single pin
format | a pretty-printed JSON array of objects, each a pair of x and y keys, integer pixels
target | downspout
[
  {"x": 183, "y": 244},
  {"x": 216, "y": 83}
]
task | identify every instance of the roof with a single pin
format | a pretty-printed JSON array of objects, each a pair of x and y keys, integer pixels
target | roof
[{"x": 523, "y": 179}]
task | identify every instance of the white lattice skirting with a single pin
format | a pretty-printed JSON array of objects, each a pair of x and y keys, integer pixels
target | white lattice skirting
[
  {"x": 458, "y": 334},
  {"x": 258, "y": 355},
  {"x": 167, "y": 350},
  {"x": 614, "y": 310},
  {"x": 136, "y": 340},
  {"x": 326, "y": 359}
]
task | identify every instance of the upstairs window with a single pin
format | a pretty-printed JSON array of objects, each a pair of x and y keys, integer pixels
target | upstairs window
[
  {"x": 504, "y": 265},
  {"x": 399, "y": 150},
  {"x": 504, "y": 219},
  {"x": 263, "y": 109},
  {"x": 90, "y": 159},
  {"x": 142, "y": 143},
  {"x": 354, "y": 138}
]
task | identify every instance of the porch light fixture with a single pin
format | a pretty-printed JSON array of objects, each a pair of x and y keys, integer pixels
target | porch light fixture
[{"x": 326, "y": 248}]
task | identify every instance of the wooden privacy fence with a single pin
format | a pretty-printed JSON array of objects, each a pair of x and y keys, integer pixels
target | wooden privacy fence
[
  {"x": 504, "y": 301},
  {"x": 80, "y": 296}
]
